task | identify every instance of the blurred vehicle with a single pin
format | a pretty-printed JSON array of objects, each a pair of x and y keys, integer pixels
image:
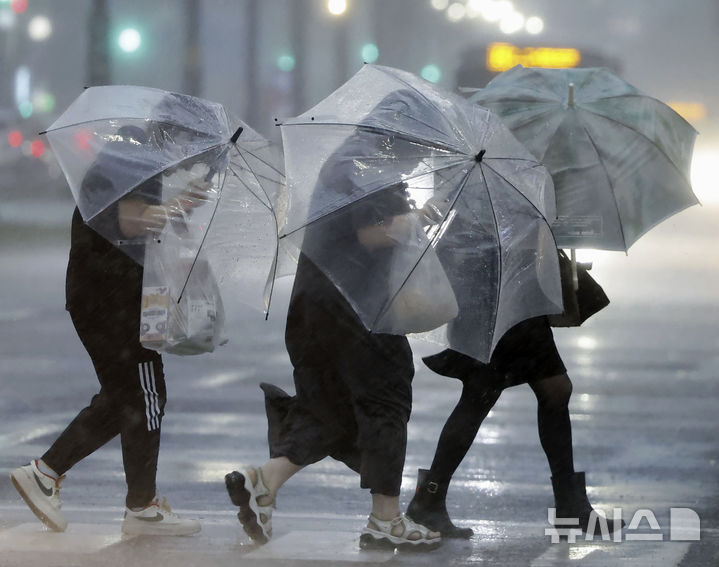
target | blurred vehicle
[
  {"x": 480, "y": 64},
  {"x": 28, "y": 169}
]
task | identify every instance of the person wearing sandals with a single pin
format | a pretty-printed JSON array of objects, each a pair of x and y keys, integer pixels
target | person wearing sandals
[
  {"x": 353, "y": 387},
  {"x": 528, "y": 354}
]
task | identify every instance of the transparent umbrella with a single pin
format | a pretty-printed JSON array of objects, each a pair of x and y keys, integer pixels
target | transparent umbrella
[
  {"x": 120, "y": 144},
  {"x": 392, "y": 178}
]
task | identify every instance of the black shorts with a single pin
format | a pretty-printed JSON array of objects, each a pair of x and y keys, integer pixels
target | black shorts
[{"x": 526, "y": 353}]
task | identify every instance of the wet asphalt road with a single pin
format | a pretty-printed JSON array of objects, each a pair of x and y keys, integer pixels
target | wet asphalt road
[{"x": 645, "y": 413}]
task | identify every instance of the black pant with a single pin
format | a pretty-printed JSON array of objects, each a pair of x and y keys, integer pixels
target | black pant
[
  {"x": 130, "y": 402},
  {"x": 354, "y": 388}
]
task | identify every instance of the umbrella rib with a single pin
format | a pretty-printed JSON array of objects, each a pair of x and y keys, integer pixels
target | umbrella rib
[
  {"x": 249, "y": 190},
  {"x": 209, "y": 223},
  {"x": 263, "y": 161},
  {"x": 277, "y": 230},
  {"x": 305, "y": 225},
  {"x": 515, "y": 188},
  {"x": 499, "y": 241},
  {"x": 420, "y": 93},
  {"x": 462, "y": 185},
  {"x": 640, "y": 134},
  {"x": 611, "y": 186},
  {"x": 199, "y": 248},
  {"x": 165, "y": 122},
  {"x": 383, "y": 131}
]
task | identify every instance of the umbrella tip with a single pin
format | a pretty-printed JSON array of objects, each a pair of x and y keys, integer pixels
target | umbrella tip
[
  {"x": 479, "y": 156},
  {"x": 236, "y": 135}
]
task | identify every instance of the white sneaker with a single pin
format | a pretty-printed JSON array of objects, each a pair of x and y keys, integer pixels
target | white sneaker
[
  {"x": 157, "y": 519},
  {"x": 41, "y": 493}
]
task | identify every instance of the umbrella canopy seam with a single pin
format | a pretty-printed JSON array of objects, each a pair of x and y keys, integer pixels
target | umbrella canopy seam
[
  {"x": 384, "y": 131},
  {"x": 320, "y": 214}
]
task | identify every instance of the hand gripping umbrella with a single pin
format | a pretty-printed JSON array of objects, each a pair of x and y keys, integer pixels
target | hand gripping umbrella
[
  {"x": 619, "y": 159},
  {"x": 213, "y": 178},
  {"x": 391, "y": 179}
]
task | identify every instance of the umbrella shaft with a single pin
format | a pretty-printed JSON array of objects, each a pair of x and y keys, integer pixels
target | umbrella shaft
[{"x": 575, "y": 277}]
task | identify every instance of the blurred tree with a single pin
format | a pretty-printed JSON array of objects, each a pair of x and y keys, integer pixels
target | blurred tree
[
  {"x": 298, "y": 21},
  {"x": 192, "y": 78},
  {"x": 251, "y": 52},
  {"x": 98, "y": 55}
]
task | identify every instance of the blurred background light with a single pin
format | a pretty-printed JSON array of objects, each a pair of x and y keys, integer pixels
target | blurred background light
[
  {"x": 337, "y": 7},
  {"x": 25, "y": 109},
  {"x": 690, "y": 111},
  {"x": 39, "y": 28},
  {"x": 43, "y": 101},
  {"x": 14, "y": 138},
  {"x": 37, "y": 148},
  {"x": 7, "y": 19},
  {"x": 534, "y": 25},
  {"x": 18, "y": 6},
  {"x": 440, "y": 4},
  {"x": 370, "y": 53},
  {"x": 456, "y": 12},
  {"x": 704, "y": 177},
  {"x": 511, "y": 22},
  {"x": 285, "y": 62},
  {"x": 494, "y": 11},
  {"x": 129, "y": 40},
  {"x": 431, "y": 73}
]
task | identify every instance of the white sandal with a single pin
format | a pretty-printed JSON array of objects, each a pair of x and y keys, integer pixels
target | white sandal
[
  {"x": 378, "y": 535},
  {"x": 256, "y": 520}
]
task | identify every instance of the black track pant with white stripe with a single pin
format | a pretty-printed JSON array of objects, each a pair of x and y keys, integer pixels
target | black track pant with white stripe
[{"x": 130, "y": 402}]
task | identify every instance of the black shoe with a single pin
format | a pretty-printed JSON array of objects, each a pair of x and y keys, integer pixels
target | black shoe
[
  {"x": 570, "y": 501},
  {"x": 429, "y": 509}
]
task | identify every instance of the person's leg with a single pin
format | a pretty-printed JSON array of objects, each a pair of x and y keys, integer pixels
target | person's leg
[
  {"x": 555, "y": 428},
  {"x": 555, "y": 434},
  {"x": 459, "y": 431},
  {"x": 39, "y": 481},
  {"x": 99, "y": 422},
  {"x": 254, "y": 491},
  {"x": 428, "y": 506},
  {"x": 142, "y": 404},
  {"x": 275, "y": 473},
  {"x": 388, "y": 528}
]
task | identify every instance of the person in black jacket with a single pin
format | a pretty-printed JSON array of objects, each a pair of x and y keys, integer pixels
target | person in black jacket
[
  {"x": 103, "y": 297},
  {"x": 353, "y": 387},
  {"x": 525, "y": 354}
]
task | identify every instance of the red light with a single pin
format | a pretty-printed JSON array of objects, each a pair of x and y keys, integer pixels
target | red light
[
  {"x": 37, "y": 148},
  {"x": 14, "y": 138},
  {"x": 18, "y": 6},
  {"x": 82, "y": 139}
]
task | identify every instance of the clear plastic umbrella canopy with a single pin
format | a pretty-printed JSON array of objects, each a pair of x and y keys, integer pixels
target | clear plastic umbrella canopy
[
  {"x": 619, "y": 159},
  {"x": 118, "y": 143},
  {"x": 388, "y": 152}
]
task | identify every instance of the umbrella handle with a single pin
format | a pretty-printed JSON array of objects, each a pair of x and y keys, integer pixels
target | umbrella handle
[
  {"x": 575, "y": 277},
  {"x": 570, "y": 97}
]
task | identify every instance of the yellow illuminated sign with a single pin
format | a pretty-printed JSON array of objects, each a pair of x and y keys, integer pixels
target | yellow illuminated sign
[
  {"x": 503, "y": 56},
  {"x": 690, "y": 111}
]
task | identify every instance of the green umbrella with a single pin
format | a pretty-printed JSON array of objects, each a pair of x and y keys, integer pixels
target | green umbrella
[{"x": 619, "y": 158}]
